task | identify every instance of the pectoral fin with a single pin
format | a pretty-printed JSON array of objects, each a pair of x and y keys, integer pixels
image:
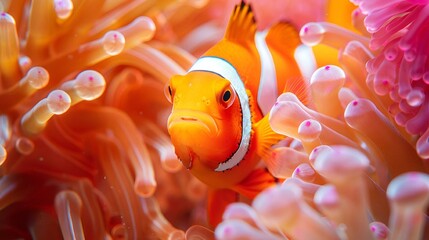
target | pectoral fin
[
  {"x": 257, "y": 181},
  {"x": 265, "y": 137}
]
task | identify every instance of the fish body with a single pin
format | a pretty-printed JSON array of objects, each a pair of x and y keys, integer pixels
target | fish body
[{"x": 219, "y": 120}]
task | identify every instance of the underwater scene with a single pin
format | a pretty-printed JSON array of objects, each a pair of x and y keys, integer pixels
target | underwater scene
[{"x": 214, "y": 119}]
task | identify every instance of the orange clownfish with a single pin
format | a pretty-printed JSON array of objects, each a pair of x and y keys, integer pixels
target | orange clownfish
[{"x": 219, "y": 121}]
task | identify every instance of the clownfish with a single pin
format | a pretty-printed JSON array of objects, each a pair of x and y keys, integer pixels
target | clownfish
[{"x": 219, "y": 123}]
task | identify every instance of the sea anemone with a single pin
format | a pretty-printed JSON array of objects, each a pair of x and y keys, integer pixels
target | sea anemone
[
  {"x": 84, "y": 150},
  {"x": 83, "y": 119},
  {"x": 357, "y": 165}
]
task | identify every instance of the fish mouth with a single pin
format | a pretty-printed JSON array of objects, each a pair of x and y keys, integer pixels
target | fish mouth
[{"x": 193, "y": 117}]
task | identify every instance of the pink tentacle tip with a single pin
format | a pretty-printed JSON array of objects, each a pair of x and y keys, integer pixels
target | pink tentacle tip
[
  {"x": 379, "y": 230},
  {"x": 227, "y": 231},
  {"x": 340, "y": 163},
  {"x": 390, "y": 57},
  {"x": 316, "y": 151},
  {"x": 409, "y": 188},
  {"x": 326, "y": 196},
  {"x": 309, "y": 130},
  {"x": 423, "y": 146},
  {"x": 425, "y": 78},
  {"x": 355, "y": 103},
  {"x": 305, "y": 29},
  {"x": 413, "y": 176},
  {"x": 327, "y": 67}
]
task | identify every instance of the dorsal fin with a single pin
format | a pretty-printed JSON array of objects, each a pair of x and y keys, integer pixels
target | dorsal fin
[
  {"x": 242, "y": 25},
  {"x": 299, "y": 87},
  {"x": 283, "y": 37}
]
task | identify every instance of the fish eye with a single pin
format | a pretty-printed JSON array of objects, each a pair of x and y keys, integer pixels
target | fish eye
[
  {"x": 226, "y": 95},
  {"x": 168, "y": 92},
  {"x": 227, "y": 98}
]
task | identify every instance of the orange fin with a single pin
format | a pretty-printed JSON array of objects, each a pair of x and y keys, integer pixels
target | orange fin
[
  {"x": 257, "y": 181},
  {"x": 265, "y": 136},
  {"x": 242, "y": 25},
  {"x": 283, "y": 37},
  {"x": 217, "y": 202},
  {"x": 300, "y": 88}
]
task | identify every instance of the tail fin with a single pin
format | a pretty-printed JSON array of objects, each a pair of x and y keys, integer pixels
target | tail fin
[
  {"x": 242, "y": 25},
  {"x": 284, "y": 38}
]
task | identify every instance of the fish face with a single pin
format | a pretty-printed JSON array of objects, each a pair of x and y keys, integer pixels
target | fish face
[{"x": 205, "y": 121}]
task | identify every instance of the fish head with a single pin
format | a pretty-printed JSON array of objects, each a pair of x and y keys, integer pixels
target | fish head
[{"x": 205, "y": 121}]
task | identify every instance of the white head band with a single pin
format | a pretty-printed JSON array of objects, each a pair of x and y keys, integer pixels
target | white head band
[{"x": 226, "y": 70}]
